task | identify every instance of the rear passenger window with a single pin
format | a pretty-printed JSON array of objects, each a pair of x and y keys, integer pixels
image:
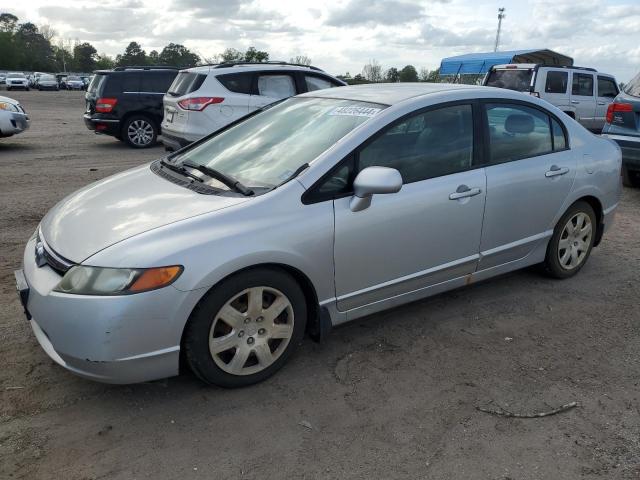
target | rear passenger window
[
  {"x": 131, "y": 82},
  {"x": 157, "y": 82},
  {"x": 559, "y": 138},
  {"x": 607, "y": 88},
  {"x": 431, "y": 144},
  {"x": 236, "y": 82},
  {"x": 582, "y": 84},
  {"x": 556, "y": 82},
  {"x": 517, "y": 131},
  {"x": 317, "y": 83},
  {"x": 276, "y": 86}
]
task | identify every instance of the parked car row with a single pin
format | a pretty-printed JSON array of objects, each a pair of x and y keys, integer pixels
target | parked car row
[
  {"x": 135, "y": 104},
  {"x": 44, "y": 81}
]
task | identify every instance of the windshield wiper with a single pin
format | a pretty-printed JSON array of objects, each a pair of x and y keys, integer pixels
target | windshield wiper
[
  {"x": 229, "y": 181},
  {"x": 180, "y": 170}
]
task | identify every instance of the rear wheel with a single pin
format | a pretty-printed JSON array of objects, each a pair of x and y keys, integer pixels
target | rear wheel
[
  {"x": 572, "y": 241},
  {"x": 140, "y": 131},
  {"x": 246, "y": 328}
]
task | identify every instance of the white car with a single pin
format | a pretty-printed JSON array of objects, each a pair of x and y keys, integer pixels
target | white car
[
  {"x": 17, "y": 80},
  {"x": 204, "y": 99},
  {"x": 13, "y": 118}
]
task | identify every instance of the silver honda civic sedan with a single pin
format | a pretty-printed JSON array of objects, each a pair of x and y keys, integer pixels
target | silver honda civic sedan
[{"x": 320, "y": 209}]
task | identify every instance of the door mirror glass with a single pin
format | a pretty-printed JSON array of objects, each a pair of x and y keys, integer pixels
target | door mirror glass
[{"x": 371, "y": 181}]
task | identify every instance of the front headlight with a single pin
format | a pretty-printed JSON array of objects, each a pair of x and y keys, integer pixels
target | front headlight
[
  {"x": 82, "y": 280},
  {"x": 8, "y": 106}
]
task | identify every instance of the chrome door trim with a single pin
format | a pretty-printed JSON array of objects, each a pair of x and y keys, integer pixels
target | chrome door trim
[{"x": 406, "y": 284}]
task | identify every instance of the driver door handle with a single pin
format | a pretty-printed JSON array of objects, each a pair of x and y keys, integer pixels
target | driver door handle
[
  {"x": 555, "y": 170},
  {"x": 463, "y": 192}
]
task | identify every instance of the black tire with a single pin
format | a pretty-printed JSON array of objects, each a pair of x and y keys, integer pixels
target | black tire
[
  {"x": 552, "y": 264},
  {"x": 143, "y": 122},
  {"x": 8, "y": 89},
  {"x": 629, "y": 178},
  {"x": 198, "y": 329}
]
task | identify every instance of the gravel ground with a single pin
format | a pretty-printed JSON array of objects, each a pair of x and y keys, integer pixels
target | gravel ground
[{"x": 391, "y": 396}]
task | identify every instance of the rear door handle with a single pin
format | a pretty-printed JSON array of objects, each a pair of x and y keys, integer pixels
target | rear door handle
[
  {"x": 463, "y": 192},
  {"x": 555, "y": 170},
  {"x": 602, "y": 103},
  {"x": 575, "y": 101}
]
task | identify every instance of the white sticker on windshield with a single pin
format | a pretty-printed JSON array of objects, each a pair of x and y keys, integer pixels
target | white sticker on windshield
[{"x": 355, "y": 111}]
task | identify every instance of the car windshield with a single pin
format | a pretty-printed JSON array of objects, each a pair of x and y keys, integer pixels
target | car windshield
[
  {"x": 47, "y": 77},
  {"x": 512, "y": 79},
  {"x": 16, "y": 75},
  {"x": 73, "y": 79},
  {"x": 633, "y": 87},
  {"x": 266, "y": 150}
]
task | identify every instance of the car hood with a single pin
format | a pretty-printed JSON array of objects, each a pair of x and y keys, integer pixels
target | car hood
[
  {"x": 9, "y": 100},
  {"x": 119, "y": 207}
]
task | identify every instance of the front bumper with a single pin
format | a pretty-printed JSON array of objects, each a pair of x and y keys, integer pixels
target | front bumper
[
  {"x": 13, "y": 124},
  {"x": 112, "y": 339},
  {"x": 630, "y": 147}
]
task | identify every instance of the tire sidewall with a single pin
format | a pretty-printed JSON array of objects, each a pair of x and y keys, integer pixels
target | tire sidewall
[
  {"x": 197, "y": 331},
  {"x": 552, "y": 263},
  {"x": 132, "y": 119}
]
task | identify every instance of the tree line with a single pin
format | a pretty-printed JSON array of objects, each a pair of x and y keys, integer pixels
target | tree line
[{"x": 373, "y": 72}]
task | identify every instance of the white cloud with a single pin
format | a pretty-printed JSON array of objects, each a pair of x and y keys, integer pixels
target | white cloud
[{"x": 342, "y": 36}]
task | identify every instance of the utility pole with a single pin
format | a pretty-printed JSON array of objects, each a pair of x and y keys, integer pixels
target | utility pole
[{"x": 501, "y": 15}]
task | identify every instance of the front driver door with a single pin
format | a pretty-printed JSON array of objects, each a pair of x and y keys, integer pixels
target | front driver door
[{"x": 427, "y": 233}]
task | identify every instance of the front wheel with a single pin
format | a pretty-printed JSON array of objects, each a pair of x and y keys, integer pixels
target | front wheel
[
  {"x": 572, "y": 241},
  {"x": 140, "y": 131},
  {"x": 246, "y": 328}
]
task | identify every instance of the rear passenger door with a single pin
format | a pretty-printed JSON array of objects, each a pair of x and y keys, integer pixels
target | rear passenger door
[
  {"x": 607, "y": 91},
  {"x": 583, "y": 98},
  {"x": 530, "y": 172},
  {"x": 271, "y": 87}
]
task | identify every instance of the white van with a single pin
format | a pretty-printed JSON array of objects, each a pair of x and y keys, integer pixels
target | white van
[{"x": 582, "y": 93}]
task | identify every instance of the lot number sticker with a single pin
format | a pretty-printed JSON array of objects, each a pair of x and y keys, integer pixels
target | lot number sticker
[{"x": 354, "y": 111}]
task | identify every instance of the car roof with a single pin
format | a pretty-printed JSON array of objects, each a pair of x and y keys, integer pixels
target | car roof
[
  {"x": 252, "y": 67},
  {"x": 388, "y": 93}
]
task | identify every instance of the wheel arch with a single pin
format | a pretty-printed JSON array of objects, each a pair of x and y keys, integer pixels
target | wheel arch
[
  {"x": 595, "y": 203},
  {"x": 311, "y": 298}
]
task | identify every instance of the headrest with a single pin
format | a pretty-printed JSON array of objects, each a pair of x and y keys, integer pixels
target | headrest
[{"x": 517, "y": 123}]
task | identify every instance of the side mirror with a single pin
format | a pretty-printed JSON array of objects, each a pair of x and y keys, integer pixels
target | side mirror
[{"x": 374, "y": 180}]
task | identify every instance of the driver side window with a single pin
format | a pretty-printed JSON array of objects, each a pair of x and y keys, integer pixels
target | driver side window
[{"x": 427, "y": 145}]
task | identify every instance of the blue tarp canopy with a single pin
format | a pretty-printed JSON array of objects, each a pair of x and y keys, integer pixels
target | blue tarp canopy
[{"x": 477, "y": 63}]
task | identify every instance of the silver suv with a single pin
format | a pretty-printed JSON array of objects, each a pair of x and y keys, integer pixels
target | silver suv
[
  {"x": 204, "y": 99},
  {"x": 582, "y": 93}
]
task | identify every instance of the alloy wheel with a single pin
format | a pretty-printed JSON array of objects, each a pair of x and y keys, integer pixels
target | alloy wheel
[
  {"x": 251, "y": 331},
  {"x": 140, "y": 132},
  {"x": 575, "y": 241}
]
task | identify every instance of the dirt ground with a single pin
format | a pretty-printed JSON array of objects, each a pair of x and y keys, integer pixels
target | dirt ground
[{"x": 390, "y": 396}]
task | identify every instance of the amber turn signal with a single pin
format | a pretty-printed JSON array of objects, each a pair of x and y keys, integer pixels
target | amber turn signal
[{"x": 153, "y": 278}]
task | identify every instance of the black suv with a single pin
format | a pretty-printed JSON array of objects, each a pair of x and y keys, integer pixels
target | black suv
[{"x": 127, "y": 103}]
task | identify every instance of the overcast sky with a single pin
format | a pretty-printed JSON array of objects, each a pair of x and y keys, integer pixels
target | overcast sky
[{"x": 341, "y": 36}]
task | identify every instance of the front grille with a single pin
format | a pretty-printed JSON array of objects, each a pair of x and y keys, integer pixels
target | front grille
[{"x": 45, "y": 255}]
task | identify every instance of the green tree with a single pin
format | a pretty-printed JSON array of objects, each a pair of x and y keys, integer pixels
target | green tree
[
  {"x": 434, "y": 76},
  {"x": 300, "y": 60},
  {"x": 36, "y": 52},
  {"x": 133, "y": 55},
  {"x": 408, "y": 74},
  {"x": 392, "y": 75},
  {"x": 8, "y": 22},
  {"x": 85, "y": 56},
  {"x": 253, "y": 55},
  {"x": 231, "y": 55},
  {"x": 153, "y": 58},
  {"x": 104, "y": 62},
  {"x": 178, "y": 55}
]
